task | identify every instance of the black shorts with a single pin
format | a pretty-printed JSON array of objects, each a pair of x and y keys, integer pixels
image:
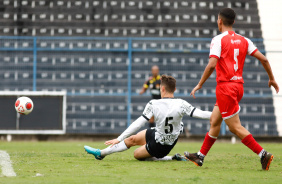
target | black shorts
[{"x": 156, "y": 149}]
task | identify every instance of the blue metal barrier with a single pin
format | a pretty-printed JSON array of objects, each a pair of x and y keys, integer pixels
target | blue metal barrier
[{"x": 127, "y": 49}]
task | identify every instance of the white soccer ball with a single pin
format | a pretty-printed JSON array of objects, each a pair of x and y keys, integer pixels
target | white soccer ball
[{"x": 24, "y": 105}]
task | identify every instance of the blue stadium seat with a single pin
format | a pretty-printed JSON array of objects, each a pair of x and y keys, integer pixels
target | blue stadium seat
[{"x": 106, "y": 72}]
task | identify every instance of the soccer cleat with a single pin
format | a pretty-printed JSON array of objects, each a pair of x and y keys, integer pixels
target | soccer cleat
[
  {"x": 179, "y": 157},
  {"x": 266, "y": 160},
  {"x": 195, "y": 158},
  {"x": 93, "y": 151}
]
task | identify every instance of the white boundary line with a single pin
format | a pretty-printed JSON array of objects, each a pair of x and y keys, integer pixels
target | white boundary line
[{"x": 6, "y": 164}]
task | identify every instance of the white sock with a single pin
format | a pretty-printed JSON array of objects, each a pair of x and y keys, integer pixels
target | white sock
[
  {"x": 261, "y": 152},
  {"x": 158, "y": 159},
  {"x": 116, "y": 148},
  {"x": 201, "y": 154}
]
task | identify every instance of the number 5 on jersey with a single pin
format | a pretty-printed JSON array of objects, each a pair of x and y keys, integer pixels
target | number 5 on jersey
[
  {"x": 236, "y": 54},
  {"x": 169, "y": 129}
]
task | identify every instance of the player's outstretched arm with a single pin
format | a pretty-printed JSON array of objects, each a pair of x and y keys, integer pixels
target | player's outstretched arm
[
  {"x": 267, "y": 68},
  {"x": 198, "y": 113},
  {"x": 208, "y": 71},
  {"x": 194, "y": 112},
  {"x": 133, "y": 128}
]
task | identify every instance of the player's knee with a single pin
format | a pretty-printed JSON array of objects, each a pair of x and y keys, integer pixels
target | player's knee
[
  {"x": 214, "y": 124},
  {"x": 234, "y": 129},
  {"x": 137, "y": 155},
  {"x": 131, "y": 140}
]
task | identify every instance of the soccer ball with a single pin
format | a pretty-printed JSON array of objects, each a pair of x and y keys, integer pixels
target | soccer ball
[{"x": 24, "y": 105}]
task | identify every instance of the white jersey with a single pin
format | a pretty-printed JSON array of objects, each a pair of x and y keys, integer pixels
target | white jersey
[{"x": 168, "y": 114}]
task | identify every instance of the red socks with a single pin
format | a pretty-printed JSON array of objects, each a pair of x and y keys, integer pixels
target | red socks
[
  {"x": 251, "y": 143},
  {"x": 207, "y": 144}
]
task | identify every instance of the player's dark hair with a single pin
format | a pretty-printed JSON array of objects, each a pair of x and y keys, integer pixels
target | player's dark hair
[
  {"x": 169, "y": 83},
  {"x": 228, "y": 16}
]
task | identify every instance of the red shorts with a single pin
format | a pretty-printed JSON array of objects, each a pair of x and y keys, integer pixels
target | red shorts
[{"x": 228, "y": 96}]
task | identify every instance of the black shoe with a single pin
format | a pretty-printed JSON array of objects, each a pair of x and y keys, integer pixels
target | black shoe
[
  {"x": 195, "y": 158},
  {"x": 179, "y": 157},
  {"x": 266, "y": 160}
]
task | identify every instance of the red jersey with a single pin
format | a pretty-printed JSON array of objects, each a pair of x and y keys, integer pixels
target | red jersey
[{"x": 230, "y": 49}]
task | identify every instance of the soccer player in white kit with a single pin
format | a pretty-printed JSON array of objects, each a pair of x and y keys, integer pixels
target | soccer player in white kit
[{"x": 156, "y": 143}]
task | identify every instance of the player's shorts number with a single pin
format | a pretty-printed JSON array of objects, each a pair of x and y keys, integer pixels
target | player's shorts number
[
  {"x": 236, "y": 54},
  {"x": 169, "y": 127}
]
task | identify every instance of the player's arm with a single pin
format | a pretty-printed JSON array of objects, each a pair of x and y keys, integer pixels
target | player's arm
[
  {"x": 267, "y": 67},
  {"x": 135, "y": 126},
  {"x": 215, "y": 53},
  {"x": 208, "y": 71},
  {"x": 144, "y": 88},
  {"x": 194, "y": 112},
  {"x": 198, "y": 113}
]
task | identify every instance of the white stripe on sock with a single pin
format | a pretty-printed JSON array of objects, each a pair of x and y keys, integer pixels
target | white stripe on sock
[
  {"x": 213, "y": 136},
  {"x": 261, "y": 152},
  {"x": 201, "y": 154}
]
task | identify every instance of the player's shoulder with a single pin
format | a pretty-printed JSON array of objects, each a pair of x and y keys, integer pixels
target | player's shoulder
[
  {"x": 182, "y": 101},
  {"x": 243, "y": 37},
  {"x": 220, "y": 36},
  {"x": 153, "y": 102},
  {"x": 247, "y": 39},
  {"x": 162, "y": 101}
]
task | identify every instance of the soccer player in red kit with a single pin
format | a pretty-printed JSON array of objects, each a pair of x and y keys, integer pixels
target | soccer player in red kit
[{"x": 227, "y": 55}]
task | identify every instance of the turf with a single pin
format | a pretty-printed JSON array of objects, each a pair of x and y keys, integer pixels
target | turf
[{"x": 66, "y": 162}]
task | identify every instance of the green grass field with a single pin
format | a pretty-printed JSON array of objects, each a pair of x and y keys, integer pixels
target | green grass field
[{"x": 66, "y": 162}]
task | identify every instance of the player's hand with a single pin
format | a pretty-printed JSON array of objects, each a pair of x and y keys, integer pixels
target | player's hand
[
  {"x": 112, "y": 142},
  {"x": 274, "y": 84},
  {"x": 194, "y": 90}
]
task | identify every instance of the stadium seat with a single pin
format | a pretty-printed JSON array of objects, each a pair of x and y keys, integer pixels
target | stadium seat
[{"x": 71, "y": 65}]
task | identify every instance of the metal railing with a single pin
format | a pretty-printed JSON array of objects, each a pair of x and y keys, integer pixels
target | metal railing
[{"x": 127, "y": 46}]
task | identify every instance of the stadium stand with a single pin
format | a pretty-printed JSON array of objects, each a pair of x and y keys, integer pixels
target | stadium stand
[
  {"x": 94, "y": 71},
  {"x": 123, "y": 18}
]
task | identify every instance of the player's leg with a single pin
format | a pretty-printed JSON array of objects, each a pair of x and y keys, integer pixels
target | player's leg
[
  {"x": 225, "y": 98},
  {"x": 176, "y": 157},
  {"x": 210, "y": 138},
  {"x": 153, "y": 150},
  {"x": 247, "y": 139},
  {"x": 134, "y": 140},
  {"x": 138, "y": 139},
  {"x": 234, "y": 125},
  {"x": 215, "y": 122},
  {"x": 212, "y": 135},
  {"x": 143, "y": 155}
]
